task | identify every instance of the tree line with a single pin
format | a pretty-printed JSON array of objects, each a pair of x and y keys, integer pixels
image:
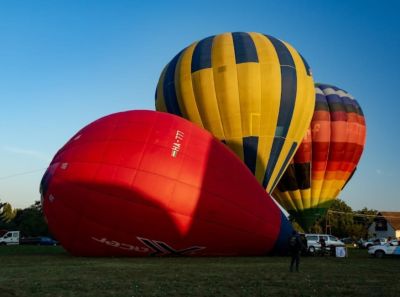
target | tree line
[
  {"x": 342, "y": 221},
  {"x": 30, "y": 221}
]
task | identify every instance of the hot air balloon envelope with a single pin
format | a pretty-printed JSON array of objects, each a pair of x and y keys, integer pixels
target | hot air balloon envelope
[
  {"x": 142, "y": 183},
  {"x": 252, "y": 91},
  {"x": 327, "y": 157}
]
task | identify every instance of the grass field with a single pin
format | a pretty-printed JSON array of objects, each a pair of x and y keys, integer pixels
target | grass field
[{"x": 49, "y": 271}]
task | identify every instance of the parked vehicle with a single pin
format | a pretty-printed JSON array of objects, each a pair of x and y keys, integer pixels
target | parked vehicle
[
  {"x": 38, "y": 240},
  {"x": 314, "y": 245},
  {"x": 380, "y": 251},
  {"x": 44, "y": 240},
  {"x": 349, "y": 241},
  {"x": 10, "y": 237},
  {"x": 372, "y": 241},
  {"x": 30, "y": 240}
]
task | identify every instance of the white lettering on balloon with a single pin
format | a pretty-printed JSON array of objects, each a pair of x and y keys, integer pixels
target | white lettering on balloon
[
  {"x": 176, "y": 146},
  {"x": 122, "y": 246}
]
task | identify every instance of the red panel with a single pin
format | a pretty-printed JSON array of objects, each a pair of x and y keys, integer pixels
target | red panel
[
  {"x": 140, "y": 182},
  {"x": 303, "y": 154}
]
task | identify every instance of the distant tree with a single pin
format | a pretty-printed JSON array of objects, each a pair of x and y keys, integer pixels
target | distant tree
[
  {"x": 319, "y": 226},
  {"x": 356, "y": 231},
  {"x": 30, "y": 221},
  {"x": 7, "y": 212},
  {"x": 340, "y": 218},
  {"x": 364, "y": 218},
  {"x": 7, "y": 216}
]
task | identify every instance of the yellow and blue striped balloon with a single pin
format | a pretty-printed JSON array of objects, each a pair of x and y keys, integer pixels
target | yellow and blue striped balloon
[{"x": 252, "y": 91}]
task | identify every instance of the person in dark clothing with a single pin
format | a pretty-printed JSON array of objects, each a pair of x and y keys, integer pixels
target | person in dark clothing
[
  {"x": 295, "y": 247},
  {"x": 323, "y": 246},
  {"x": 303, "y": 240}
]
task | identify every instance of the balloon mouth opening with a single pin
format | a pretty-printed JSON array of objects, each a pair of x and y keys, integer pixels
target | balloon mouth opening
[{"x": 308, "y": 217}]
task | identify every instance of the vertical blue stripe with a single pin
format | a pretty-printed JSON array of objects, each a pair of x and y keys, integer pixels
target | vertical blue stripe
[
  {"x": 202, "y": 54},
  {"x": 245, "y": 49},
  {"x": 275, "y": 150},
  {"x": 170, "y": 98},
  {"x": 308, "y": 70},
  {"x": 349, "y": 105},
  {"x": 281, "y": 244},
  {"x": 250, "y": 146},
  {"x": 287, "y": 102},
  {"x": 285, "y": 163},
  {"x": 358, "y": 108},
  {"x": 285, "y": 58},
  {"x": 320, "y": 98},
  {"x": 288, "y": 98}
]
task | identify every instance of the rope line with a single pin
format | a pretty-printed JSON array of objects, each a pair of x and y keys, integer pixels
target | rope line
[
  {"x": 360, "y": 214},
  {"x": 22, "y": 173}
]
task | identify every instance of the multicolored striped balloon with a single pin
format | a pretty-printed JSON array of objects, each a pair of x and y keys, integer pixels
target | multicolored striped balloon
[
  {"x": 252, "y": 91},
  {"x": 327, "y": 157}
]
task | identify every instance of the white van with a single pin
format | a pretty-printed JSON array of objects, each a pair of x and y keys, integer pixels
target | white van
[
  {"x": 314, "y": 245},
  {"x": 10, "y": 237}
]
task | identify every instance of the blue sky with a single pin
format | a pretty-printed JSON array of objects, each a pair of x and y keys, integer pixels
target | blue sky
[{"x": 64, "y": 64}]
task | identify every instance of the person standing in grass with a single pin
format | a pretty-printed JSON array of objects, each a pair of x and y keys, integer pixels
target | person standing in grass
[
  {"x": 295, "y": 247},
  {"x": 323, "y": 246}
]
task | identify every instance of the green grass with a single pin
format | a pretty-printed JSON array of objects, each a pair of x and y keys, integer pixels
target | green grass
[{"x": 49, "y": 271}]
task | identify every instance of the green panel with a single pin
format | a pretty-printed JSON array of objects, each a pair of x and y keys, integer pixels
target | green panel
[{"x": 307, "y": 218}]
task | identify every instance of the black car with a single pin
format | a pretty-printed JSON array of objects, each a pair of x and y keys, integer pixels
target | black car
[
  {"x": 29, "y": 240},
  {"x": 38, "y": 240}
]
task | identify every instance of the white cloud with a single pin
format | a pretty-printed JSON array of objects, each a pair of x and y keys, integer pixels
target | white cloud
[
  {"x": 27, "y": 152},
  {"x": 379, "y": 172}
]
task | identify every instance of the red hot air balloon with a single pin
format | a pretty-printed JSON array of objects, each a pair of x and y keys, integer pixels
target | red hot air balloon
[{"x": 140, "y": 183}]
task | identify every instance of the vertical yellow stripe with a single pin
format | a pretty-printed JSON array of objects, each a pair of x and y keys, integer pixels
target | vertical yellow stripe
[
  {"x": 284, "y": 199},
  {"x": 316, "y": 187},
  {"x": 296, "y": 198},
  {"x": 226, "y": 90},
  {"x": 184, "y": 87},
  {"x": 306, "y": 198},
  {"x": 293, "y": 200},
  {"x": 290, "y": 201},
  {"x": 305, "y": 99},
  {"x": 249, "y": 86},
  {"x": 270, "y": 92},
  {"x": 203, "y": 86},
  {"x": 325, "y": 192},
  {"x": 333, "y": 190}
]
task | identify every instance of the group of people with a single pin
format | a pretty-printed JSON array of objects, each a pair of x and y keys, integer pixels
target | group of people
[{"x": 298, "y": 244}]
